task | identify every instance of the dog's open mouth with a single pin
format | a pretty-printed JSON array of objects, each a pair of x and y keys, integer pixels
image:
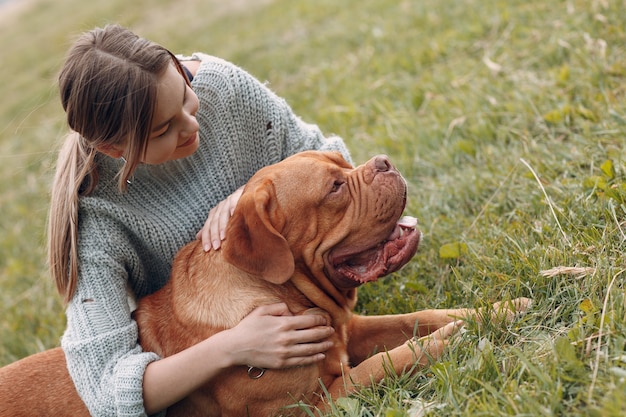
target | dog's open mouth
[{"x": 352, "y": 270}]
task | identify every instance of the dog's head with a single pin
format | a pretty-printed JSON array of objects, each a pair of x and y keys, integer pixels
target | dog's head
[{"x": 314, "y": 211}]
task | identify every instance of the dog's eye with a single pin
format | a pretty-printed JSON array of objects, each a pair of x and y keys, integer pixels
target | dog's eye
[{"x": 337, "y": 186}]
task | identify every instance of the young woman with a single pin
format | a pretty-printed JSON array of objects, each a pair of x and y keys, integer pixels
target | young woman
[{"x": 159, "y": 149}]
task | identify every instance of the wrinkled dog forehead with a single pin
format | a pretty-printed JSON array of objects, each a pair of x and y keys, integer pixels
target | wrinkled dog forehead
[
  {"x": 301, "y": 167},
  {"x": 310, "y": 177}
]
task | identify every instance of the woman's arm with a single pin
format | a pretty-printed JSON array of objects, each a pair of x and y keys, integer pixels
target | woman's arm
[
  {"x": 104, "y": 358},
  {"x": 269, "y": 337}
]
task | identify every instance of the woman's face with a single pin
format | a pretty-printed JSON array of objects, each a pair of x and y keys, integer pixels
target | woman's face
[{"x": 174, "y": 132}]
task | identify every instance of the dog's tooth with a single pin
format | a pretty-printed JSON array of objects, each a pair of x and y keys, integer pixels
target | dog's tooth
[{"x": 408, "y": 221}]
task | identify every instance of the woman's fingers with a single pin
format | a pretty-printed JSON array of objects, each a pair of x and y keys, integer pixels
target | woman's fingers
[
  {"x": 310, "y": 349},
  {"x": 303, "y": 360},
  {"x": 276, "y": 309},
  {"x": 217, "y": 227},
  {"x": 310, "y": 335},
  {"x": 214, "y": 229},
  {"x": 212, "y": 233}
]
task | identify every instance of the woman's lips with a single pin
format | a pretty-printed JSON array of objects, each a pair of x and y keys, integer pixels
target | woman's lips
[{"x": 191, "y": 140}]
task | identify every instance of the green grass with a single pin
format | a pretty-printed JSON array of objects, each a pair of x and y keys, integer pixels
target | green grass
[{"x": 508, "y": 119}]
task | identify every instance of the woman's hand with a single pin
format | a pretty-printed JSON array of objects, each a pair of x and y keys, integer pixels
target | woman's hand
[
  {"x": 271, "y": 337},
  {"x": 213, "y": 231}
]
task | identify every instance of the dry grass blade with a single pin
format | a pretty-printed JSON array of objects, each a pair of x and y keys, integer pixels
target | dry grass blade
[{"x": 577, "y": 271}]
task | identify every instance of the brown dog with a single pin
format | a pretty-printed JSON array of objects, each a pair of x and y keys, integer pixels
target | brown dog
[{"x": 307, "y": 232}]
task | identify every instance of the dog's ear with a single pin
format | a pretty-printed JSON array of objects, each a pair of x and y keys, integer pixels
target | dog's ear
[{"x": 252, "y": 242}]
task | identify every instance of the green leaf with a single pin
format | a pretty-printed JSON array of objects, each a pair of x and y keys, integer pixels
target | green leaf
[
  {"x": 608, "y": 169},
  {"x": 452, "y": 250},
  {"x": 587, "y": 306},
  {"x": 565, "y": 350},
  {"x": 417, "y": 287},
  {"x": 568, "y": 358},
  {"x": 350, "y": 405}
]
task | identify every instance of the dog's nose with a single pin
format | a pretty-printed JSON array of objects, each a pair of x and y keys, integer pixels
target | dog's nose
[{"x": 381, "y": 163}]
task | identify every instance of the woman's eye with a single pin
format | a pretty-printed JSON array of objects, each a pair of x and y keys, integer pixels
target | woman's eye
[{"x": 164, "y": 132}]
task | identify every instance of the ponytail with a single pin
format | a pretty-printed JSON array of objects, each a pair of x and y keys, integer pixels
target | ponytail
[{"x": 75, "y": 176}]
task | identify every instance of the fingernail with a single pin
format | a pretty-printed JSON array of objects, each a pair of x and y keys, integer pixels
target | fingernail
[
  {"x": 216, "y": 244},
  {"x": 206, "y": 247}
]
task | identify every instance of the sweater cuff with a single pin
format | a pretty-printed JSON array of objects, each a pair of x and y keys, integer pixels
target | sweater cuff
[{"x": 129, "y": 384}]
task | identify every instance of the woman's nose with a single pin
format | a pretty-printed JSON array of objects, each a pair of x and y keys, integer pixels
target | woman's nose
[{"x": 191, "y": 127}]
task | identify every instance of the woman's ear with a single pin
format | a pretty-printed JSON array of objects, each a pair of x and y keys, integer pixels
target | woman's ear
[{"x": 114, "y": 151}]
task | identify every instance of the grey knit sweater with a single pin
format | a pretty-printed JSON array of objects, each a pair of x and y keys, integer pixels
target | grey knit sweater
[{"x": 127, "y": 240}]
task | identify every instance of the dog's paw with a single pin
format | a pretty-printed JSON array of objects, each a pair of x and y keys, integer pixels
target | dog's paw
[
  {"x": 508, "y": 310},
  {"x": 432, "y": 346},
  {"x": 442, "y": 335},
  {"x": 447, "y": 331}
]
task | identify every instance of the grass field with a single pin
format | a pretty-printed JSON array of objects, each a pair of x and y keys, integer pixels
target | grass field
[{"x": 508, "y": 119}]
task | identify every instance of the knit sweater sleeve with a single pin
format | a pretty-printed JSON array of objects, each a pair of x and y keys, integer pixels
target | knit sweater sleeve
[
  {"x": 100, "y": 342},
  {"x": 297, "y": 135},
  {"x": 253, "y": 103}
]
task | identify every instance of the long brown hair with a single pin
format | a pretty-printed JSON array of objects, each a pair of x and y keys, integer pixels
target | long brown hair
[{"x": 108, "y": 88}]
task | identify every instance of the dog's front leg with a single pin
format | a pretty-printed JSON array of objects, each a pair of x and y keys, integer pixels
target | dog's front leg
[
  {"x": 413, "y": 354},
  {"x": 368, "y": 335}
]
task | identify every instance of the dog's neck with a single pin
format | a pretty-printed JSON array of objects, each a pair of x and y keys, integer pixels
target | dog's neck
[{"x": 339, "y": 304}]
